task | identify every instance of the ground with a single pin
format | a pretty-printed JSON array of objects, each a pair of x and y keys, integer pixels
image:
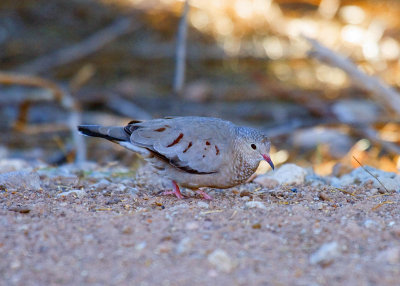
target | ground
[{"x": 104, "y": 228}]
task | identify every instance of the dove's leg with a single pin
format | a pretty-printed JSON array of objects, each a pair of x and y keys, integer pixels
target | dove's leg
[
  {"x": 204, "y": 194},
  {"x": 176, "y": 191}
]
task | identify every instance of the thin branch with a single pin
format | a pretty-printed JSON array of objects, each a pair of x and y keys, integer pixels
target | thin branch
[
  {"x": 80, "y": 50},
  {"x": 372, "y": 135},
  {"x": 127, "y": 108},
  {"x": 61, "y": 96},
  {"x": 179, "y": 79},
  {"x": 377, "y": 88},
  {"x": 374, "y": 176}
]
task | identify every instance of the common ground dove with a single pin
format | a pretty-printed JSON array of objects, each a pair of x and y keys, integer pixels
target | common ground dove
[{"x": 194, "y": 152}]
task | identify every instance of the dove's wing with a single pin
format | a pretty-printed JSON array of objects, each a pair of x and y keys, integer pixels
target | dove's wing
[{"x": 193, "y": 144}]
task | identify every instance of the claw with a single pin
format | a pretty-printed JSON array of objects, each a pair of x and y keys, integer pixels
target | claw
[
  {"x": 176, "y": 191},
  {"x": 204, "y": 195}
]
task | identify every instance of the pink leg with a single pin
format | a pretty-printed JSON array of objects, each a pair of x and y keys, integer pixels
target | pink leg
[
  {"x": 176, "y": 191},
  {"x": 204, "y": 195}
]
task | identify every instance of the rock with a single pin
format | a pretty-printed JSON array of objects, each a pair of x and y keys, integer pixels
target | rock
[
  {"x": 390, "y": 255},
  {"x": 325, "y": 254},
  {"x": 369, "y": 223},
  {"x": 101, "y": 185},
  {"x": 78, "y": 193},
  {"x": 191, "y": 225},
  {"x": 20, "y": 180},
  {"x": 255, "y": 204},
  {"x": 12, "y": 165},
  {"x": 221, "y": 260},
  {"x": 203, "y": 205},
  {"x": 266, "y": 181},
  {"x": 314, "y": 179},
  {"x": 141, "y": 245},
  {"x": 184, "y": 246},
  {"x": 290, "y": 174},
  {"x": 358, "y": 176},
  {"x": 126, "y": 230}
]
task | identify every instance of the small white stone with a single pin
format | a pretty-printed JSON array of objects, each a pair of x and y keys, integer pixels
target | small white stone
[
  {"x": 255, "y": 204},
  {"x": 221, "y": 260},
  {"x": 192, "y": 225},
  {"x": 290, "y": 174},
  {"x": 369, "y": 223},
  {"x": 203, "y": 205},
  {"x": 78, "y": 193},
  {"x": 266, "y": 181},
  {"x": 184, "y": 246},
  {"x": 141, "y": 245},
  {"x": 325, "y": 254}
]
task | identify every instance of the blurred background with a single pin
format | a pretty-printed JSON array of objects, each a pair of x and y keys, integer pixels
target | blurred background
[{"x": 249, "y": 61}]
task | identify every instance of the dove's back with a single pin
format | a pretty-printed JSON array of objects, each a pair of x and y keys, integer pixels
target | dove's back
[{"x": 197, "y": 145}]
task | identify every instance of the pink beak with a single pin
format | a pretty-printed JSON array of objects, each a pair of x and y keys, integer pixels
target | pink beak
[{"x": 268, "y": 159}]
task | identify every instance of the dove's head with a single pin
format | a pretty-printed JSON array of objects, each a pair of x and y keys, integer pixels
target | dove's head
[{"x": 254, "y": 145}]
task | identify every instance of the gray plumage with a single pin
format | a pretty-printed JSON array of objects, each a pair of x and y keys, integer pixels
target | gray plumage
[{"x": 195, "y": 152}]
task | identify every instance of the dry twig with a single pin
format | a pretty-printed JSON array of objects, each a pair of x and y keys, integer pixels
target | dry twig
[
  {"x": 382, "y": 92},
  {"x": 179, "y": 79},
  {"x": 366, "y": 170},
  {"x": 127, "y": 108},
  {"x": 59, "y": 95}
]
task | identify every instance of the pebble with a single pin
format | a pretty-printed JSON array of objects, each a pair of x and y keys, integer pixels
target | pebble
[
  {"x": 325, "y": 254},
  {"x": 13, "y": 165},
  {"x": 101, "y": 185},
  {"x": 390, "y": 180},
  {"x": 20, "y": 180},
  {"x": 288, "y": 174},
  {"x": 141, "y": 245},
  {"x": 221, "y": 260},
  {"x": 78, "y": 193},
  {"x": 184, "y": 246},
  {"x": 126, "y": 230},
  {"x": 203, "y": 205},
  {"x": 369, "y": 223},
  {"x": 390, "y": 255},
  {"x": 192, "y": 225},
  {"x": 255, "y": 204},
  {"x": 266, "y": 181}
]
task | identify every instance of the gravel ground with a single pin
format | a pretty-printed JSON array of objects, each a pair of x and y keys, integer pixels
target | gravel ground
[{"x": 105, "y": 228}]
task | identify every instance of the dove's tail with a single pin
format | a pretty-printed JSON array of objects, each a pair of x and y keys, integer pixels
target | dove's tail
[{"x": 115, "y": 134}]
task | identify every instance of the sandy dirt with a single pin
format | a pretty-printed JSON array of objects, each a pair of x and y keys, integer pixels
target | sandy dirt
[{"x": 119, "y": 233}]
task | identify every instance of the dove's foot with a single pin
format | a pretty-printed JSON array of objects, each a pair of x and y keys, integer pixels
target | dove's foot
[
  {"x": 176, "y": 191},
  {"x": 204, "y": 195}
]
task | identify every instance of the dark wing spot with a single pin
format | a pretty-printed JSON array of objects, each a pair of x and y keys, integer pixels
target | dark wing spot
[
  {"x": 177, "y": 165},
  {"x": 216, "y": 150},
  {"x": 188, "y": 146},
  {"x": 176, "y": 141},
  {"x": 204, "y": 156},
  {"x": 207, "y": 143},
  {"x": 161, "y": 129}
]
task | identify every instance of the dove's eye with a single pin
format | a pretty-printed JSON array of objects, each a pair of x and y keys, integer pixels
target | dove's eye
[{"x": 253, "y": 146}]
